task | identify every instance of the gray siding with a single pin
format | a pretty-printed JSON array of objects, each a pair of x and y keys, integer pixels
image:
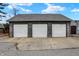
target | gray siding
[
  {"x": 49, "y": 30},
  {"x": 11, "y": 30},
  {"x": 68, "y": 29},
  {"x": 29, "y": 29}
]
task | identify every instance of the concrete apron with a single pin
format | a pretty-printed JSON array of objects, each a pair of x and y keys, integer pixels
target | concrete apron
[{"x": 44, "y": 43}]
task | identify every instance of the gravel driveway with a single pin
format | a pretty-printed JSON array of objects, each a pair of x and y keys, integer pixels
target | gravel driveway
[
  {"x": 39, "y": 43},
  {"x": 56, "y": 52},
  {"x": 39, "y": 47}
]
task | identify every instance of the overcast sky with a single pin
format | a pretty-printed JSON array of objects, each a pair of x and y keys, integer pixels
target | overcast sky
[{"x": 70, "y": 10}]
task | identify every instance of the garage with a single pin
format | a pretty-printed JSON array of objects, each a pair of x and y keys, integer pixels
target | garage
[
  {"x": 58, "y": 30},
  {"x": 20, "y": 30},
  {"x": 39, "y": 26},
  {"x": 39, "y": 30}
]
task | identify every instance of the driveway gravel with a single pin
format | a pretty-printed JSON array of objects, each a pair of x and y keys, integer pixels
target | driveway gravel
[
  {"x": 49, "y": 52},
  {"x": 39, "y": 46}
]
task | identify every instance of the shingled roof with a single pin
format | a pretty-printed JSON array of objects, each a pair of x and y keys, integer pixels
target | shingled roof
[{"x": 40, "y": 17}]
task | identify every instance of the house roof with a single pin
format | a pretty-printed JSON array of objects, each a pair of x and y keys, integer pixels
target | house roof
[{"x": 39, "y": 17}]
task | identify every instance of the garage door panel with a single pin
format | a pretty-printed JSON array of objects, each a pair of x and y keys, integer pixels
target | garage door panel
[
  {"x": 58, "y": 30},
  {"x": 39, "y": 30},
  {"x": 20, "y": 30}
]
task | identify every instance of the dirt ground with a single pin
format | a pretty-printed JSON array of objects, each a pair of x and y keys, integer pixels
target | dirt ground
[{"x": 23, "y": 43}]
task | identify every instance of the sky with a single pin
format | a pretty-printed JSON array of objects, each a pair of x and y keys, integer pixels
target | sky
[{"x": 70, "y": 10}]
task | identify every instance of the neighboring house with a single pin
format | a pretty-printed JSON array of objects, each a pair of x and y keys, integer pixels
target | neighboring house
[
  {"x": 75, "y": 27},
  {"x": 39, "y": 25},
  {"x": 6, "y": 28},
  {"x": 2, "y": 28}
]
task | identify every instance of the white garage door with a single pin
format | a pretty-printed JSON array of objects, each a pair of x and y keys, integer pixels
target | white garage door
[
  {"x": 39, "y": 30},
  {"x": 58, "y": 30},
  {"x": 20, "y": 30}
]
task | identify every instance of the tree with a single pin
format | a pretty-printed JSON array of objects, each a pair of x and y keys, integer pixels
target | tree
[
  {"x": 2, "y": 14},
  {"x": 2, "y": 6}
]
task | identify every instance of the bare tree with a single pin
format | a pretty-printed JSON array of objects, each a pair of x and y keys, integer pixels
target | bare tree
[{"x": 2, "y": 6}]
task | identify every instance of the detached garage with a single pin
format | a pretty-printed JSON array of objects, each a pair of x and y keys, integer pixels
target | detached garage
[{"x": 39, "y": 25}]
